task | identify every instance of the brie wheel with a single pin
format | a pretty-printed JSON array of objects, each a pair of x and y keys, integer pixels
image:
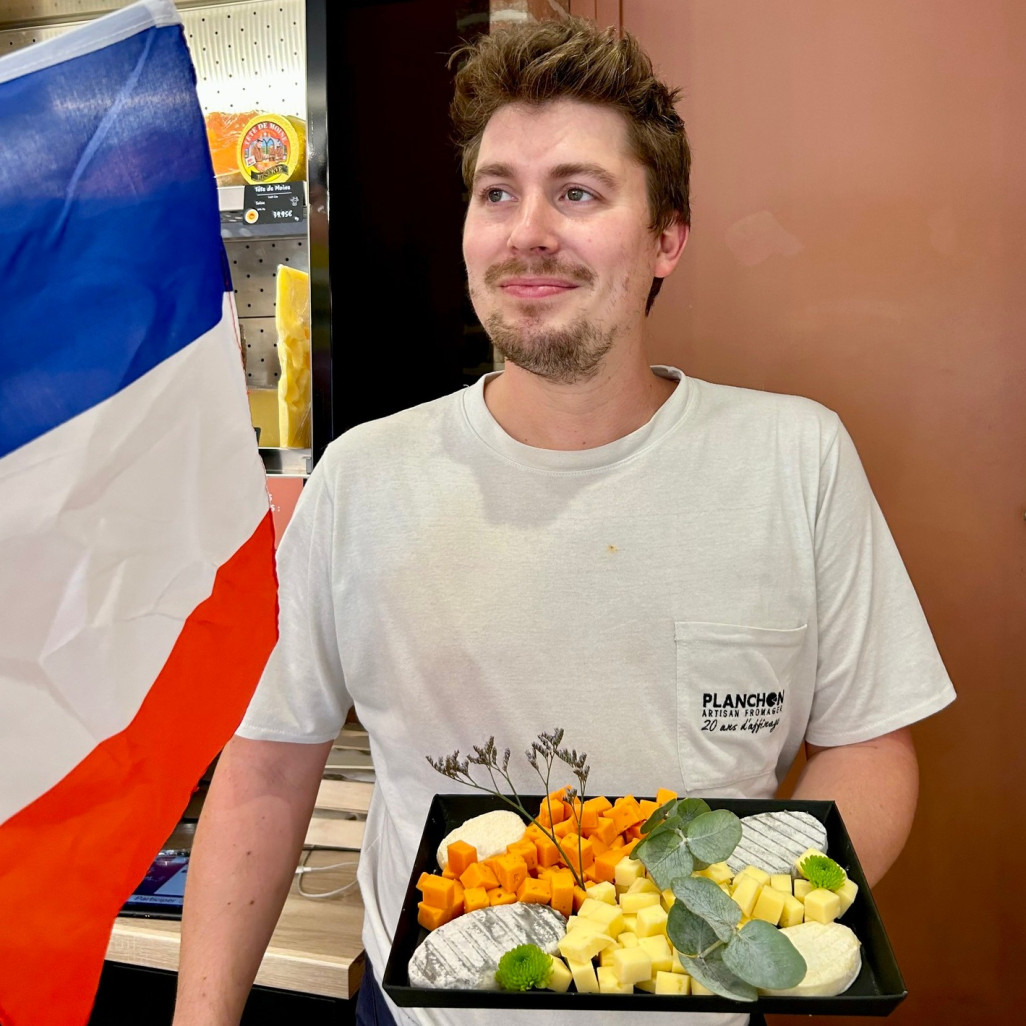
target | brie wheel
[{"x": 832, "y": 955}]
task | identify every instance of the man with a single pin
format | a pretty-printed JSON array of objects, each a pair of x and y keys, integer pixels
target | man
[{"x": 693, "y": 580}]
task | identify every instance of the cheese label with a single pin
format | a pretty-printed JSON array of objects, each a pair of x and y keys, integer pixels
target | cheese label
[{"x": 268, "y": 149}]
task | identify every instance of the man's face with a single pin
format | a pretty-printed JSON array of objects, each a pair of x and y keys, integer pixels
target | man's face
[{"x": 559, "y": 255}]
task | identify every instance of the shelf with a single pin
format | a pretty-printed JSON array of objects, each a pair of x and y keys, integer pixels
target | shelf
[{"x": 292, "y": 462}]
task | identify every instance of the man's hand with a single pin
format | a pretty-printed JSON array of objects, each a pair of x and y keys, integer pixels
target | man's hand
[
  {"x": 876, "y": 786},
  {"x": 246, "y": 849}
]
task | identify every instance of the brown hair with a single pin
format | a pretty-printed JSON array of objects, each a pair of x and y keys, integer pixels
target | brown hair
[{"x": 572, "y": 59}]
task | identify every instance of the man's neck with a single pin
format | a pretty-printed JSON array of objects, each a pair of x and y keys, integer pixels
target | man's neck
[{"x": 582, "y": 415}]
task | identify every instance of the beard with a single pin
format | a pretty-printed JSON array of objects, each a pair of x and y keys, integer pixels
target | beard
[{"x": 563, "y": 355}]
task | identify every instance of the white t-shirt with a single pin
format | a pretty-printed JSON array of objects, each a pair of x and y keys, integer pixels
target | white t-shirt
[{"x": 689, "y": 602}]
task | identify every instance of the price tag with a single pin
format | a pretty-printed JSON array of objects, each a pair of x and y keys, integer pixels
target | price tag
[{"x": 269, "y": 204}]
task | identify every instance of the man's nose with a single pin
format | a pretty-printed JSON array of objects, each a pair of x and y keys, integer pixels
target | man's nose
[{"x": 535, "y": 227}]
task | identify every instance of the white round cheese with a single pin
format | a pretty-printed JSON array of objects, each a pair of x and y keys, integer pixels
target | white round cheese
[
  {"x": 773, "y": 840},
  {"x": 488, "y": 833},
  {"x": 832, "y": 954}
]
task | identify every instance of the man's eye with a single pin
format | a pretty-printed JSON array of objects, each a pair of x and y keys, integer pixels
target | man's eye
[
  {"x": 495, "y": 195},
  {"x": 576, "y": 194}
]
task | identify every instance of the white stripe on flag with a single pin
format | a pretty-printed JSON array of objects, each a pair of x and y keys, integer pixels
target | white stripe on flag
[{"x": 97, "y": 502}]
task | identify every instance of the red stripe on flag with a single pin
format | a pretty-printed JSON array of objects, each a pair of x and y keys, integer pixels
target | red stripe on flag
[{"x": 70, "y": 859}]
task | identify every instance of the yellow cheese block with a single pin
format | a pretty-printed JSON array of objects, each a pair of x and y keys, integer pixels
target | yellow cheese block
[{"x": 292, "y": 320}]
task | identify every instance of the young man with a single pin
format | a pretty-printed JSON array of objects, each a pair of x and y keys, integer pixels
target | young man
[{"x": 693, "y": 580}]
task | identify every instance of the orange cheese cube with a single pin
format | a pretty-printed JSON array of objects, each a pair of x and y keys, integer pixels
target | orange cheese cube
[
  {"x": 648, "y": 807},
  {"x": 431, "y": 917},
  {"x": 510, "y": 871},
  {"x": 498, "y": 896},
  {"x": 565, "y": 826},
  {"x": 475, "y": 898},
  {"x": 663, "y": 796},
  {"x": 458, "y": 893},
  {"x": 561, "y": 891},
  {"x": 579, "y": 895},
  {"x": 604, "y": 866},
  {"x": 577, "y": 851},
  {"x": 460, "y": 856},
  {"x": 534, "y": 892},
  {"x": 477, "y": 874},
  {"x": 600, "y": 803},
  {"x": 438, "y": 891},
  {"x": 548, "y": 853},
  {"x": 551, "y": 812},
  {"x": 626, "y": 812},
  {"x": 527, "y": 851},
  {"x": 605, "y": 830}
]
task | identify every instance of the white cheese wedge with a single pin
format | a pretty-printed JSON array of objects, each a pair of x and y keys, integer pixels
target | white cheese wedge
[
  {"x": 772, "y": 840},
  {"x": 832, "y": 954},
  {"x": 489, "y": 833},
  {"x": 464, "y": 953}
]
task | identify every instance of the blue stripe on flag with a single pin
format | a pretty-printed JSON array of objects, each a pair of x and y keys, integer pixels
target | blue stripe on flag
[{"x": 110, "y": 252}]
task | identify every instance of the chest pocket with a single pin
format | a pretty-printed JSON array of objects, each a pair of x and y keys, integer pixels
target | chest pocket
[{"x": 733, "y": 702}]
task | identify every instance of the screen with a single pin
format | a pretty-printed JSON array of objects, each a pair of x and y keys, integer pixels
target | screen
[{"x": 162, "y": 889}]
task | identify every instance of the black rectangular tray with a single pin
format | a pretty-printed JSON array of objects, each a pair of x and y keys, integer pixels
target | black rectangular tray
[{"x": 877, "y": 991}]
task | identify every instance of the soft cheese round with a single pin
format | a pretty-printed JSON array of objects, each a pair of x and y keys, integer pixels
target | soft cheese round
[
  {"x": 773, "y": 840},
  {"x": 488, "y": 833},
  {"x": 833, "y": 957},
  {"x": 465, "y": 952}
]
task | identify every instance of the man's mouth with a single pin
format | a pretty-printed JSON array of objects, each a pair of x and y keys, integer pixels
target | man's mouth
[{"x": 535, "y": 288}]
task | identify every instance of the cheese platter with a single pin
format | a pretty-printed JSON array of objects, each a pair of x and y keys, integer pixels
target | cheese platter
[{"x": 876, "y": 990}]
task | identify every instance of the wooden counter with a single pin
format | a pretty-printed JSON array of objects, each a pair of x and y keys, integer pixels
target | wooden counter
[{"x": 315, "y": 948}]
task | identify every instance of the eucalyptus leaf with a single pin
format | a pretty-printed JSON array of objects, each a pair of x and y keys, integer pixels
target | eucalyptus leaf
[
  {"x": 688, "y": 933},
  {"x": 701, "y": 896},
  {"x": 713, "y": 836},
  {"x": 665, "y": 856},
  {"x": 762, "y": 956},
  {"x": 713, "y": 973},
  {"x": 686, "y": 810},
  {"x": 659, "y": 815}
]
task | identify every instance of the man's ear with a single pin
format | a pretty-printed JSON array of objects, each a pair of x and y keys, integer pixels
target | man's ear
[{"x": 670, "y": 243}]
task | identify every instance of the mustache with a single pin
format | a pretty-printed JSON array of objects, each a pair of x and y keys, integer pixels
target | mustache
[{"x": 548, "y": 267}]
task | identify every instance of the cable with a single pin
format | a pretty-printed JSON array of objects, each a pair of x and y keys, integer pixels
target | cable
[{"x": 302, "y": 870}]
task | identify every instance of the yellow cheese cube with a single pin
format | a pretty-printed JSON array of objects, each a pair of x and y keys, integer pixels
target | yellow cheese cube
[
  {"x": 675, "y": 963},
  {"x": 603, "y": 891},
  {"x": 796, "y": 867},
  {"x": 668, "y": 899},
  {"x": 746, "y": 893},
  {"x": 583, "y": 973},
  {"x": 609, "y": 984},
  {"x": 846, "y": 892},
  {"x": 605, "y": 956},
  {"x": 561, "y": 977},
  {"x": 793, "y": 912},
  {"x": 609, "y": 917},
  {"x": 659, "y": 950},
  {"x": 697, "y": 988},
  {"x": 769, "y": 905},
  {"x": 630, "y": 923},
  {"x": 584, "y": 942},
  {"x": 718, "y": 872},
  {"x": 631, "y": 965},
  {"x": 822, "y": 906},
  {"x": 754, "y": 871},
  {"x": 634, "y": 902},
  {"x": 626, "y": 871},
  {"x": 672, "y": 983},
  {"x": 781, "y": 882},
  {"x": 627, "y": 939},
  {"x": 801, "y": 887},
  {"x": 646, "y": 985},
  {"x": 644, "y": 885},
  {"x": 650, "y": 921}
]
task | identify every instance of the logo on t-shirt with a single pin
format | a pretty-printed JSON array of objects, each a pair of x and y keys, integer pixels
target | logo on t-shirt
[{"x": 742, "y": 711}]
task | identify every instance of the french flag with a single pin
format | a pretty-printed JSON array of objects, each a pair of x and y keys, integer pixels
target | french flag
[{"x": 137, "y": 589}]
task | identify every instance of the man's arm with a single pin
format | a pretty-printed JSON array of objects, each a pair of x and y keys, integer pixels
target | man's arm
[
  {"x": 876, "y": 786},
  {"x": 247, "y": 844}
]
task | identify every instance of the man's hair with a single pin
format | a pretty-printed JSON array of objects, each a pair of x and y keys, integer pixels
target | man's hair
[{"x": 572, "y": 59}]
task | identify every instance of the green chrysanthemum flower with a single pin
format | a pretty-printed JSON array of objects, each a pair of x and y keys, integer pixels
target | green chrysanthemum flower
[
  {"x": 524, "y": 967},
  {"x": 822, "y": 871}
]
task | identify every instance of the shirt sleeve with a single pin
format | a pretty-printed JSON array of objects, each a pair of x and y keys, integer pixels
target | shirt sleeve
[
  {"x": 878, "y": 667},
  {"x": 302, "y": 694}
]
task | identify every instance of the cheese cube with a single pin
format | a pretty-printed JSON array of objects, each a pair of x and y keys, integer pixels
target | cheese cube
[
  {"x": 630, "y": 923},
  {"x": 561, "y": 977},
  {"x": 583, "y": 973},
  {"x": 584, "y": 942},
  {"x": 610, "y": 917},
  {"x": 651, "y": 921},
  {"x": 603, "y": 892},
  {"x": 801, "y": 887},
  {"x": 754, "y": 871},
  {"x": 793, "y": 911},
  {"x": 608, "y": 982},
  {"x": 659, "y": 950},
  {"x": 822, "y": 906},
  {"x": 697, "y": 988},
  {"x": 632, "y": 964},
  {"x": 746, "y": 892},
  {"x": 846, "y": 892},
  {"x": 627, "y": 871},
  {"x": 646, "y": 985},
  {"x": 718, "y": 872},
  {"x": 627, "y": 939},
  {"x": 672, "y": 983},
  {"x": 632, "y": 903},
  {"x": 781, "y": 882},
  {"x": 796, "y": 867},
  {"x": 769, "y": 905},
  {"x": 668, "y": 899},
  {"x": 675, "y": 963},
  {"x": 644, "y": 885}
]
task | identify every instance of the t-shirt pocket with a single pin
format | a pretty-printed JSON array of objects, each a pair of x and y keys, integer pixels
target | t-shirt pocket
[{"x": 733, "y": 685}]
